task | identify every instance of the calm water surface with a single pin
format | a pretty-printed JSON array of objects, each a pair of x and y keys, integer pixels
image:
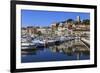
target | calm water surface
[{"x": 70, "y": 50}]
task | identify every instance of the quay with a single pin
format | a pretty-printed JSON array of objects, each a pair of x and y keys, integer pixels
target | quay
[{"x": 86, "y": 42}]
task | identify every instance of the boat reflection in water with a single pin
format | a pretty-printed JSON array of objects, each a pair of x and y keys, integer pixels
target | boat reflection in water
[{"x": 66, "y": 51}]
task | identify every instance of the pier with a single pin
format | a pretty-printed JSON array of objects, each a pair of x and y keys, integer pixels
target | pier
[{"x": 86, "y": 42}]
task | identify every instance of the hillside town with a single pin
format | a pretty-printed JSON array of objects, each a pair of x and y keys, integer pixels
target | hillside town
[{"x": 57, "y": 32}]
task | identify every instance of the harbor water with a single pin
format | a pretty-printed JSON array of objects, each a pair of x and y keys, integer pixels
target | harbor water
[{"x": 64, "y": 51}]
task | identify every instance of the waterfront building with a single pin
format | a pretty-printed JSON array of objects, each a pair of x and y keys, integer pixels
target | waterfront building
[
  {"x": 42, "y": 30},
  {"x": 62, "y": 28},
  {"x": 23, "y": 31},
  {"x": 81, "y": 30},
  {"x": 54, "y": 26},
  {"x": 31, "y": 31}
]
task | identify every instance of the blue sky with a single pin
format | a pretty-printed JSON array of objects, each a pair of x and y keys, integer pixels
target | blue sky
[{"x": 46, "y": 18}]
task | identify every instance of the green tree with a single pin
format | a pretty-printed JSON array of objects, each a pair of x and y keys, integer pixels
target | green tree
[
  {"x": 86, "y": 21},
  {"x": 70, "y": 21},
  {"x": 39, "y": 33}
]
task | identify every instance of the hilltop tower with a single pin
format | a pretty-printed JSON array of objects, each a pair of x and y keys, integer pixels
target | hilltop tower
[{"x": 78, "y": 18}]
